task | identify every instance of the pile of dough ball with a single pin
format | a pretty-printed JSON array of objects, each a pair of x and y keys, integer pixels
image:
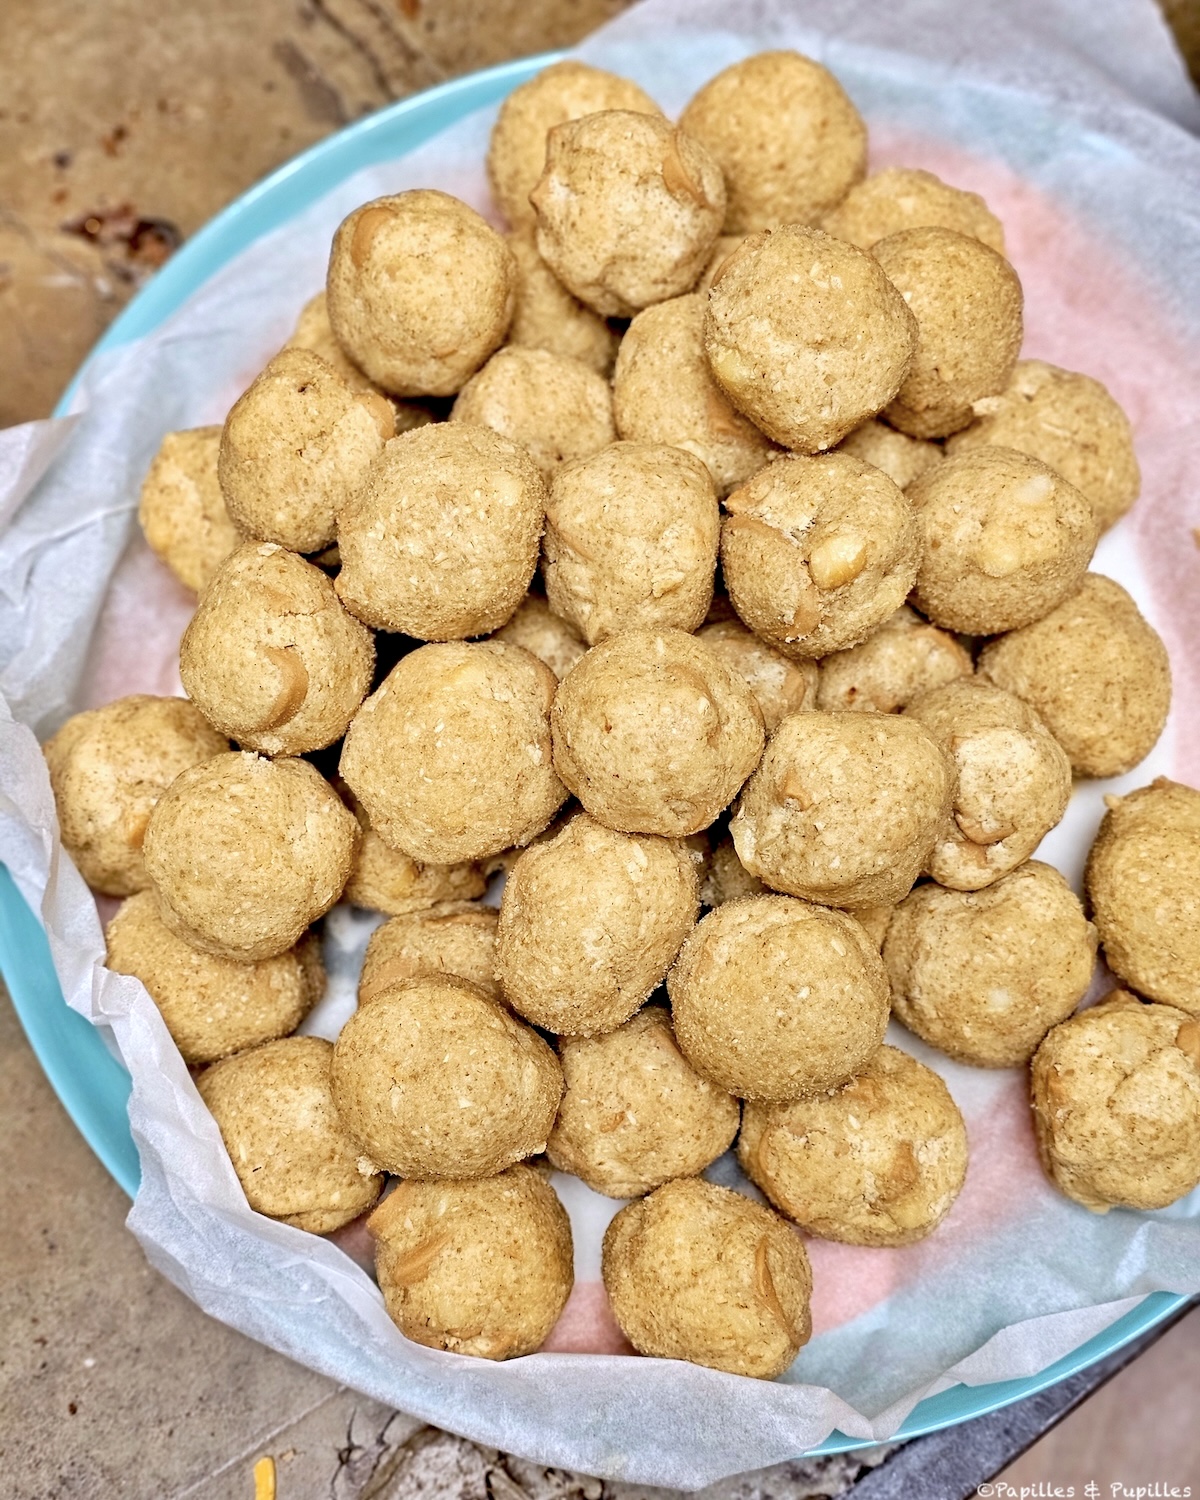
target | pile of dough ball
[{"x": 689, "y": 498}]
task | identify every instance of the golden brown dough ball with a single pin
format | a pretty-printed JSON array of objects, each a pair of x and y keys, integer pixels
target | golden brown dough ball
[
  {"x": 548, "y": 317},
  {"x": 899, "y": 198},
  {"x": 546, "y": 635},
  {"x": 108, "y": 767},
  {"x": 628, "y": 209},
  {"x": 482, "y": 1268},
  {"x": 245, "y": 853},
  {"x": 1143, "y": 882},
  {"x": 420, "y": 291},
  {"x": 877, "y": 1161},
  {"x": 968, "y": 305},
  {"x": 1013, "y": 781},
  {"x": 291, "y": 1152},
  {"x": 787, "y": 137},
  {"x": 901, "y": 457},
  {"x": 453, "y": 937},
  {"x": 875, "y": 921},
  {"x": 564, "y": 91},
  {"x": 1116, "y": 1104},
  {"x": 901, "y": 658},
  {"x": 634, "y": 1113},
  {"x": 443, "y": 540},
  {"x": 726, "y": 878},
  {"x": 780, "y": 685},
  {"x": 270, "y": 656},
  {"x": 590, "y": 923},
  {"x": 435, "y": 1079},
  {"x": 844, "y": 809},
  {"x": 816, "y": 552},
  {"x": 1006, "y": 541},
  {"x": 1072, "y": 424},
  {"x": 807, "y": 336},
  {"x": 451, "y": 755},
  {"x": 1096, "y": 671},
  {"x": 983, "y": 975},
  {"x": 724, "y": 247},
  {"x": 700, "y": 1273},
  {"x": 631, "y": 541},
  {"x": 654, "y": 734},
  {"x": 182, "y": 510},
  {"x": 387, "y": 880},
  {"x": 664, "y": 392}
]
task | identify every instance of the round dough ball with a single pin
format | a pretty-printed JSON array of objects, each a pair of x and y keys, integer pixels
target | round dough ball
[
  {"x": 877, "y": 1161},
  {"x": 844, "y": 809},
  {"x": 482, "y": 1268},
  {"x": 983, "y": 975},
  {"x": 212, "y": 1007},
  {"x": 544, "y": 634},
  {"x": 1072, "y": 424},
  {"x": 664, "y": 392},
  {"x": 443, "y": 540},
  {"x": 182, "y": 510},
  {"x": 1006, "y": 541},
  {"x": 700, "y": 1273},
  {"x": 1096, "y": 671},
  {"x": 900, "y": 198},
  {"x": 901, "y": 458},
  {"x": 564, "y": 91},
  {"x": 654, "y": 734},
  {"x": 786, "y": 135},
  {"x": 725, "y": 245},
  {"x": 589, "y": 924},
  {"x": 108, "y": 767},
  {"x": 631, "y": 541},
  {"x": 420, "y": 291},
  {"x": 1013, "y": 781},
  {"x": 548, "y": 317},
  {"x": 875, "y": 921},
  {"x": 245, "y": 853},
  {"x": 1116, "y": 1104},
  {"x": 816, "y": 552},
  {"x": 270, "y": 656},
  {"x": 558, "y": 409},
  {"x": 451, "y": 755},
  {"x": 454, "y": 937},
  {"x": 628, "y": 209},
  {"x": 780, "y": 686},
  {"x": 435, "y": 1079},
  {"x": 900, "y": 659},
  {"x": 807, "y": 336},
  {"x": 1143, "y": 883},
  {"x": 968, "y": 305},
  {"x": 296, "y": 449},
  {"x": 291, "y": 1152},
  {"x": 387, "y": 880},
  {"x": 726, "y": 878}
]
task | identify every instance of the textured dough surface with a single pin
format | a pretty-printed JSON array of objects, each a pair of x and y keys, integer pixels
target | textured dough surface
[
  {"x": 544, "y": 634},
  {"x": 453, "y": 937},
  {"x": 780, "y": 685},
  {"x": 548, "y": 317},
  {"x": 181, "y": 509},
  {"x": 900, "y": 198},
  {"x": 900, "y": 659},
  {"x": 902, "y": 458}
]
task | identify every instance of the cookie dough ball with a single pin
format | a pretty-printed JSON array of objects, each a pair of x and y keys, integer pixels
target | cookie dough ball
[
  {"x": 1143, "y": 880},
  {"x": 900, "y": 198},
  {"x": 628, "y": 209},
  {"x": 482, "y": 1268},
  {"x": 631, "y": 541},
  {"x": 875, "y": 921},
  {"x": 291, "y": 1152},
  {"x": 546, "y": 635},
  {"x": 780, "y": 686},
  {"x": 1012, "y": 783},
  {"x": 420, "y": 291},
  {"x": 387, "y": 880},
  {"x": 844, "y": 809},
  {"x": 968, "y": 305},
  {"x": 453, "y": 937},
  {"x": 1072, "y": 424},
  {"x": 1096, "y": 671},
  {"x": 435, "y": 1079},
  {"x": 787, "y": 137},
  {"x": 548, "y": 317},
  {"x": 443, "y": 540},
  {"x": 590, "y": 923},
  {"x": 654, "y": 734},
  {"x": 877, "y": 1161},
  {"x": 558, "y": 409},
  {"x": 182, "y": 510},
  {"x": 900, "y": 659},
  {"x": 901, "y": 458},
  {"x": 726, "y": 878},
  {"x": 983, "y": 975},
  {"x": 564, "y": 91},
  {"x": 807, "y": 336},
  {"x": 816, "y": 552},
  {"x": 664, "y": 392},
  {"x": 700, "y": 1273},
  {"x": 245, "y": 853},
  {"x": 451, "y": 755},
  {"x": 1116, "y": 1105},
  {"x": 1006, "y": 541},
  {"x": 108, "y": 767}
]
